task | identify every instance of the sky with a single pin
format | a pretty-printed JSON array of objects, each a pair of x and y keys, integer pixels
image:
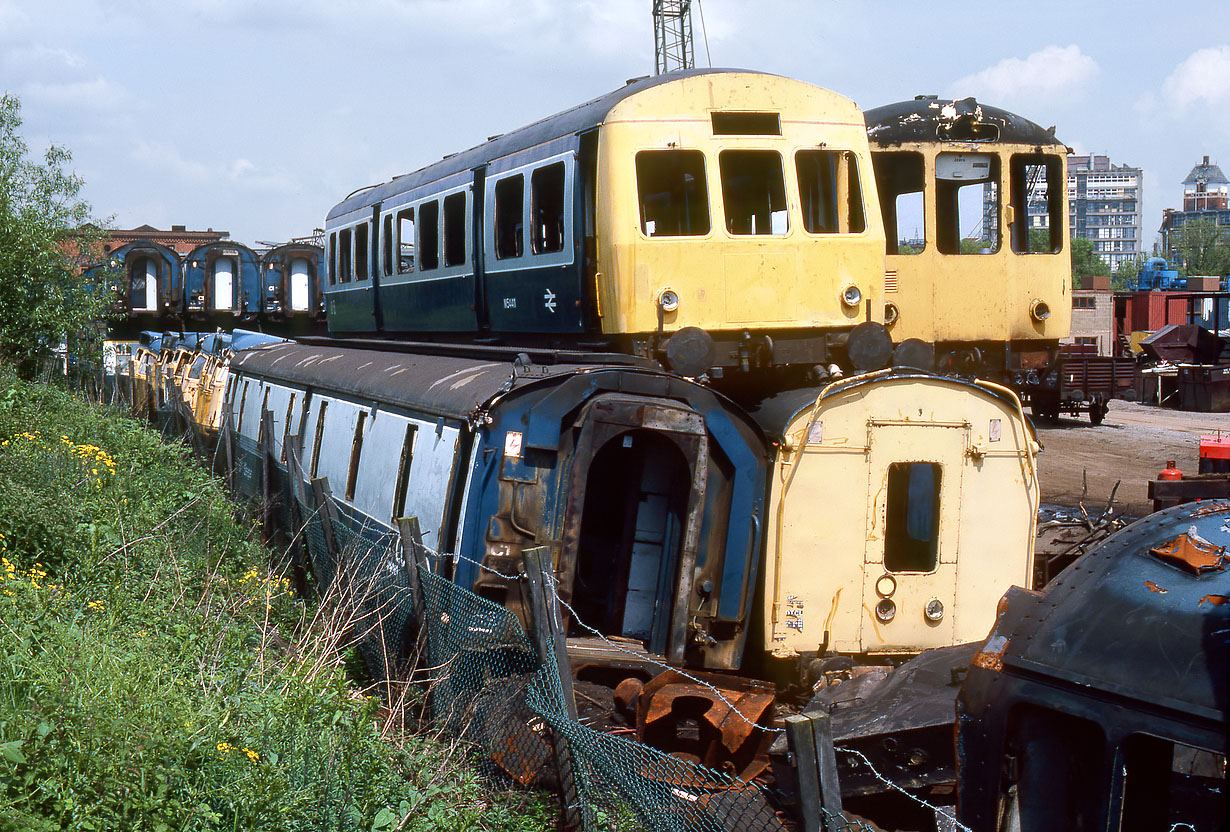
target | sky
[{"x": 257, "y": 116}]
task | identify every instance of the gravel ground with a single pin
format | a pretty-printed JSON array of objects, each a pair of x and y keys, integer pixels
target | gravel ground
[{"x": 1130, "y": 447}]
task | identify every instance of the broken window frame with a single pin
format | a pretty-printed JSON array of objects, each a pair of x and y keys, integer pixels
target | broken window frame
[
  {"x": 906, "y": 506},
  {"x": 894, "y": 184},
  {"x": 731, "y": 200},
  {"x": 684, "y": 170},
  {"x": 362, "y": 252},
  {"x": 454, "y": 242},
  {"x": 1019, "y": 178},
  {"x": 343, "y": 255},
  {"x": 842, "y": 200},
  {"x": 428, "y": 230},
  {"x": 404, "y": 221},
  {"x": 948, "y": 197}
]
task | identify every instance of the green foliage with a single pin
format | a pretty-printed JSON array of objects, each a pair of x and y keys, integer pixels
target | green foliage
[
  {"x": 45, "y": 230},
  {"x": 1086, "y": 263},
  {"x": 155, "y": 676},
  {"x": 1127, "y": 271},
  {"x": 1202, "y": 247}
]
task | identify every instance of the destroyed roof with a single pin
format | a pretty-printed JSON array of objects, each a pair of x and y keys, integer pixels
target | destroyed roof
[{"x": 928, "y": 118}]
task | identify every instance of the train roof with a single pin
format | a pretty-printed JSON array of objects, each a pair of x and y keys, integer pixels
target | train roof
[
  {"x": 570, "y": 122},
  {"x": 450, "y": 385},
  {"x": 776, "y": 413},
  {"x": 1144, "y": 616},
  {"x": 928, "y": 118}
]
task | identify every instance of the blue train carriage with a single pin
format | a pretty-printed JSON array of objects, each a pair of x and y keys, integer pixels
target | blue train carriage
[
  {"x": 710, "y": 219},
  {"x": 291, "y": 286},
  {"x": 975, "y": 211},
  {"x": 646, "y": 487},
  {"x": 1101, "y": 702},
  {"x": 150, "y": 286},
  {"x": 222, "y": 283}
]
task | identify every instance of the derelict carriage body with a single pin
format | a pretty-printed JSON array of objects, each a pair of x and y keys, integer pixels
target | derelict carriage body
[
  {"x": 734, "y": 205},
  {"x": 975, "y": 211},
  {"x": 150, "y": 289},
  {"x": 222, "y": 283},
  {"x": 291, "y": 276},
  {"x": 901, "y": 507},
  {"x": 646, "y": 487}
]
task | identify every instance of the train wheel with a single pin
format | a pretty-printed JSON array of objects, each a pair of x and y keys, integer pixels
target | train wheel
[{"x": 1097, "y": 412}]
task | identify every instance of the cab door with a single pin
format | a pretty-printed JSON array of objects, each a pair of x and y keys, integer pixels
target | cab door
[{"x": 915, "y": 475}]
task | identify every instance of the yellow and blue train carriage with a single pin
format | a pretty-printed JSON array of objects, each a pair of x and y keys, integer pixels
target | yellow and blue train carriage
[{"x": 710, "y": 219}]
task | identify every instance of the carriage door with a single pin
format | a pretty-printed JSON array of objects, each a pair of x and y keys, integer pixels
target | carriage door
[
  {"x": 633, "y": 519},
  {"x": 224, "y": 283},
  {"x": 910, "y": 563},
  {"x": 299, "y": 293}
]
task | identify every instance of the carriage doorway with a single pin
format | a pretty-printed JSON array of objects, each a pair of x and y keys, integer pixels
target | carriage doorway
[{"x": 634, "y": 518}]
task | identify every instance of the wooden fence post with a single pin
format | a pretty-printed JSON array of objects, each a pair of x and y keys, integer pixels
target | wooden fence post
[
  {"x": 323, "y": 498},
  {"x": 811, "y": 740},
  {"x": 549, "y": 640},
  {"x": 414, "y": 555}
]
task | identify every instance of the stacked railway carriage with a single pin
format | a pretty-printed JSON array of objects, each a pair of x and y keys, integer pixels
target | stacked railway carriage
[
  {"x": 666, "y": 260},
  {"x": 975, "y": 210},
  {"x": 714, "y": 221}
]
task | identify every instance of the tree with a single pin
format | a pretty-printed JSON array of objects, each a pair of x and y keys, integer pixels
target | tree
[
  {"x": 1086, "y": 263},
  {"x": 45, "y": 233},
  {"x": 1127, "y": 271},
  {"x": 1202, "y": 247}
]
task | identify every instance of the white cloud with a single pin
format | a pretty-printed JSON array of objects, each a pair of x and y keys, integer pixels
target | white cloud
[
  {"x": 96, "y": 93},
  {"x": 1062, "y": 71},
  {"x": 1204, "y": 78},
  {"x": 167, "y": 159}
]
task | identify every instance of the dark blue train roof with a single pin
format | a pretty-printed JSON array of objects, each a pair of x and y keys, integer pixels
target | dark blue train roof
[
  {"x": 567, "y": 123},
  {"x": 1144, "y": 616}
]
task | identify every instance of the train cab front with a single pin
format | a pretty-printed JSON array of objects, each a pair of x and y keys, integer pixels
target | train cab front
[{"x": 736, "y": 225}]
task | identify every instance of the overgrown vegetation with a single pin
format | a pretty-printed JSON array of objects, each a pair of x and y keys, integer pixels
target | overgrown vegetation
[
  {"x": 46, "y": 234},
  {"x": 156, "y": 677}
]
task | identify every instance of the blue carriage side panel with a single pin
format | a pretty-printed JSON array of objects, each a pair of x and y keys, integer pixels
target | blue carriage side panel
[
  {"x": 151, "y": 282},
  {"x": 533, "y": 266}
]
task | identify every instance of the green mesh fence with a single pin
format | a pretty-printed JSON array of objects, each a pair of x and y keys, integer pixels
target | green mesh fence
[{"x": 488, "y": 687}]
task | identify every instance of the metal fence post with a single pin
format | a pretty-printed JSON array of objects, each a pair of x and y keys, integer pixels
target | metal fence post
[
  {"x": 266, "y": 449},
  {"x": 548, "y": 636},
  {"x": 811, "y": 740}
]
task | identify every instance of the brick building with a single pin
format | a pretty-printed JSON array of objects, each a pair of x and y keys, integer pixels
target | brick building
[
  {"x": 1093, "y": 315},
  {"x": 179, "y": 239}
]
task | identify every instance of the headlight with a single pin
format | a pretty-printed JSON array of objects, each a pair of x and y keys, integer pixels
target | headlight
[
  {"x": 934, "y": 610},
  {"x": 851, "y": 296},
  {"x": 886, "y": 610},
  {"x": 668, "y": 300}
]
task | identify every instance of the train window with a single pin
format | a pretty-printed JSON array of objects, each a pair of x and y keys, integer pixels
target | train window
[
  {"x": 333, "y": 258},
  {"x": 753, "y": 191},
  {"x": 403, "y": 472},
  {"x": 674, "y": 198},
  {"x": 290, "y": 412},
  {"x": 1038, "y": 191},
  {"x": 830, "y": 193},
  {"x": 361, "y": 249},
  {"x": 320, "y": 437},
  {"x": 912, "y": 523},
  {"x": 343, "y": 256},
  {"x": 243, "y": 401},
  {"x": 1168, "y": 785},
  {"x": 509, "y": 217},
  {"x": 429, "y": 236},
  {"x": 746, "y": 124},
  {"x": 901, "y": 182},
  {"x": 356, "y": 451},
  {"x": 386, "y": 245},
  {"x": 547, "y": 208},
  {"x": 405, "y": 241},
  {"x": 967, "y": 203},
  {"x": 454, "y": 229}
]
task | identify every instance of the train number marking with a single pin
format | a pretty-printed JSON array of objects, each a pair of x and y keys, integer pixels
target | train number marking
[
  {"x": 548, "y": 300},
  {"x": 510, "y": 303},
  {"x": 794, "y": 613}
]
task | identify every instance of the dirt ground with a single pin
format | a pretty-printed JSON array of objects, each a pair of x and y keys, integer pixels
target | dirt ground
[{"x": 1130, "y": 447}]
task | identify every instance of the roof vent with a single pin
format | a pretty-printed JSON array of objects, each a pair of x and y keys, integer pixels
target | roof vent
[{"x": 925, "y": 97}]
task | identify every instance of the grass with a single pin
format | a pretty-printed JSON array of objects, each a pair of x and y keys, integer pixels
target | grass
[{"x": 155, "y": 676}]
